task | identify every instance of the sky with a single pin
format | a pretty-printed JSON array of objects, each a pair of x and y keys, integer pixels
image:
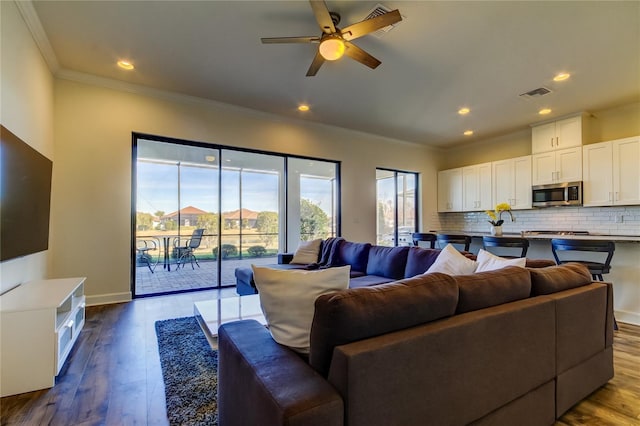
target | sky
[{"x": 158, "y": 189}]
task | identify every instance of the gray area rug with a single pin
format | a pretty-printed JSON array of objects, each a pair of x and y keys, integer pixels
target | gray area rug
[{"x": 190, "y": 372}]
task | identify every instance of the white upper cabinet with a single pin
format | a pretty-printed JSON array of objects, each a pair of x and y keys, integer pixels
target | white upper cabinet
[
  {"x": 512, "y": 182},
  {"x": 557, "y": 166},
  {"x": 450, "y": 190},
  {"x": 557, "y": 135},
  {"x": 611, "y": 173},
  {"x": 476, "y": 186}
]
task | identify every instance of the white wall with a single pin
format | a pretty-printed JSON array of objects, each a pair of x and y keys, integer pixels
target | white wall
[
  {"x": 91, "y": 219},
  {"x": 26, "y": 104}
]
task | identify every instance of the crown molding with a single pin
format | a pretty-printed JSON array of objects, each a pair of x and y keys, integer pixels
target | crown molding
[{"x": 32, "y": 20}]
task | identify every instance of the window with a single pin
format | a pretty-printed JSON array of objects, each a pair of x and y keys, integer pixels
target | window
[
  {"x": 397, "y": 206},
  {"x": 251, "y": 206}
]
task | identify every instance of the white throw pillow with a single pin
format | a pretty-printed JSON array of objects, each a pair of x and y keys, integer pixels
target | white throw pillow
[
  {"x": 287, "y": 298},
  {"x": 490, "y": 262},
  {"x": 307, "y": 252},
  {"x": 451, "y": 262}
]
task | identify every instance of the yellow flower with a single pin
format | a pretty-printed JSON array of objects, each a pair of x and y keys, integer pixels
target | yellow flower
[
  {"x": 496, "y": 216},
  {"x": 502, "y": 207}
]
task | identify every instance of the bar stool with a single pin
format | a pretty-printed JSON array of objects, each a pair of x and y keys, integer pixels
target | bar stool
[
  {"x": 444, "y": 239},
  {"x": 508, "y": 242},
  {"x": 420, "y": 236},
  {"x": 596, "y": 269}
]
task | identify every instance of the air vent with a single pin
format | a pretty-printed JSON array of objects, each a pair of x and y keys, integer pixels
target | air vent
[
  {"x": 535, "y": 93},
  {"x": 377, "y": 11}
]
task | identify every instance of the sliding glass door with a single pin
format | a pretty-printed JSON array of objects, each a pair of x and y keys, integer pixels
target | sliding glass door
[{"x": 203, "y": 211}]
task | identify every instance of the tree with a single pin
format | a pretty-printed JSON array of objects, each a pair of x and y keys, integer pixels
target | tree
[
  {"x": 144, "y": 221},
  {"x": 170, "y": 225},
  {"x": 209, "y": 222},
  {"x": 159, "y": 214},
  {"x": 314, "y": 222},
  {"x": 267, "y": 226}
]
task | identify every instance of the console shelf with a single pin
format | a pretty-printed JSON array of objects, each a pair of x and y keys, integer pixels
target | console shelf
[{"x": 40, "y": 321}]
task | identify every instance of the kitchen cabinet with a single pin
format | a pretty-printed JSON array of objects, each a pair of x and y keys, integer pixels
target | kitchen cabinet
[
  {"x": 450, "y": 190},
  {"x": 512, "y": 182},
  {"x": 564, "y": 165},
  {"x": 476, "y": 187},
  {"x": 557, "y": 135},
  {"x": 611, "y": 173}
]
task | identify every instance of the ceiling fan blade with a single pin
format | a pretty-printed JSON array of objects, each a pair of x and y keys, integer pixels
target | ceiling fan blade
[
  {"x": 322, "y": 16},
  {"x": 354, "y": 52},
  {"x": 315, "y": 65},
  {"x": 310, "y": 39},
  {"x": 370, "y": 25}
]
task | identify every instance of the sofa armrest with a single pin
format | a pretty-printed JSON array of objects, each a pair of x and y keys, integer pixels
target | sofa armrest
[
  {"x": 285, "y": 258},
  {"x": 263, "y": 382}
]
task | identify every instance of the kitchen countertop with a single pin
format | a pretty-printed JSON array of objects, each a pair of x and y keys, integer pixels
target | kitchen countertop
[{"x": 594, "y": 236}]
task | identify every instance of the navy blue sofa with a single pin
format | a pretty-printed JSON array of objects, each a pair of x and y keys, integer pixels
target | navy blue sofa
[{"x": 370, "y": 264}]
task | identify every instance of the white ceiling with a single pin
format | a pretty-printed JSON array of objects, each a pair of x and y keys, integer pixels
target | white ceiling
[{"x": 442, "y": 56}]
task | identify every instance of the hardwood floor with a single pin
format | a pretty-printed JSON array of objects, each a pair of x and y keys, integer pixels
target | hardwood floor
[{"x": 113, "y": 375}]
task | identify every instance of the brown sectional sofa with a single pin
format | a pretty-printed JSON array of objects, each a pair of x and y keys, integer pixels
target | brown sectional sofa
[{"x": 514, "y": 346}]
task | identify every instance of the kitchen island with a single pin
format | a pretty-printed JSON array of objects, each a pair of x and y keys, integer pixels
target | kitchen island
[{"x": 625, "y": 266}]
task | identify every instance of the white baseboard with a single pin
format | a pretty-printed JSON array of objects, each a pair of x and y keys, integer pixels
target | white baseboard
[
  {"x": 627, "y": 317},
  {"x": 105, "y": 299}
]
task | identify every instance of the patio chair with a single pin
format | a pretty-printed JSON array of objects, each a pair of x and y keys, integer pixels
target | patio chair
[
  {"x": 144, "y": 252},
  {"x": 186, "y": 251}
]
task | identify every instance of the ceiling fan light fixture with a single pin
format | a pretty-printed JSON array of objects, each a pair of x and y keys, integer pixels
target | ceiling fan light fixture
[
  {"x": 562, "y": 76},
  {"x": 125, "y": 65},
  {"x": 331, "y": 48}
]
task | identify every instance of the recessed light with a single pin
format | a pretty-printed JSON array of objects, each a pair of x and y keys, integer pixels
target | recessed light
[
  {"x": 125, "y": 65},
  {"x": 468, "y": 132},
  {"x": 562, "y": 76},
  {"x": 210, "y": 158},
  {"x": 303, "y": 108},
  {"x": 544, "y": 111},
  {"x": 463, "y": 111}
]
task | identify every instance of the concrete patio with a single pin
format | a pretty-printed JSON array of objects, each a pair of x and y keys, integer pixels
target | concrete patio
[{"x": 185, "y": 278}]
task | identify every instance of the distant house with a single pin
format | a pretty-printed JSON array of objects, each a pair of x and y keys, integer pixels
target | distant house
[
  {"x": 232, "y": 219},
  {"x": 187, "y": 216}
]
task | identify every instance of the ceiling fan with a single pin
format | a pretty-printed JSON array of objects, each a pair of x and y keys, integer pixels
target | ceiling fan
[{"x": 335, "y": 42}]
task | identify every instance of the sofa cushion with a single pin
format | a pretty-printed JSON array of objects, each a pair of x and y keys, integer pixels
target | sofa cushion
[
  {"x": 307, "y": 252},
  {"x": 451, "y": 262},
  {"x": 419, "y": 260},
  {"x": 539, "y": 263},
  {"x": 387, "y": 262},
  {"x": 359, "y": 313},
  {"x": 287, "y": 299},
  {"x": 368, "y": 280},
  {"x": 354, "y": 254},
  {"x": 490, "y": 262},
  {"x": 558, "y": 278},
  {"x": 491, "y": 288}
]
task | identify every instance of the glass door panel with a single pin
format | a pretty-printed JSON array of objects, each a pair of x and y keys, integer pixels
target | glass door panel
[
  {"x": 176, "y": 193},
  {"x": 385, "y": 218},
  {"x": 252, "y": 202},
  {"x": 312, "y": 200}
]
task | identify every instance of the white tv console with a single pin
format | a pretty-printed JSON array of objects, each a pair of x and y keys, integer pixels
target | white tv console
[{"x": 39, "y": 323}]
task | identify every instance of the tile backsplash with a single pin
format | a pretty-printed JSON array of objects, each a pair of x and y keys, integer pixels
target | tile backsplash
[{"x": 624, "y": 220}]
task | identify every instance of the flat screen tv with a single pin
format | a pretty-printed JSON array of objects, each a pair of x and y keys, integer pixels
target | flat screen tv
[{"x": 25, "y": 198}]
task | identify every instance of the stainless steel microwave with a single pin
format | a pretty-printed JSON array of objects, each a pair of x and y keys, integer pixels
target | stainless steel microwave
[{"x": 557, "y": 194}]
